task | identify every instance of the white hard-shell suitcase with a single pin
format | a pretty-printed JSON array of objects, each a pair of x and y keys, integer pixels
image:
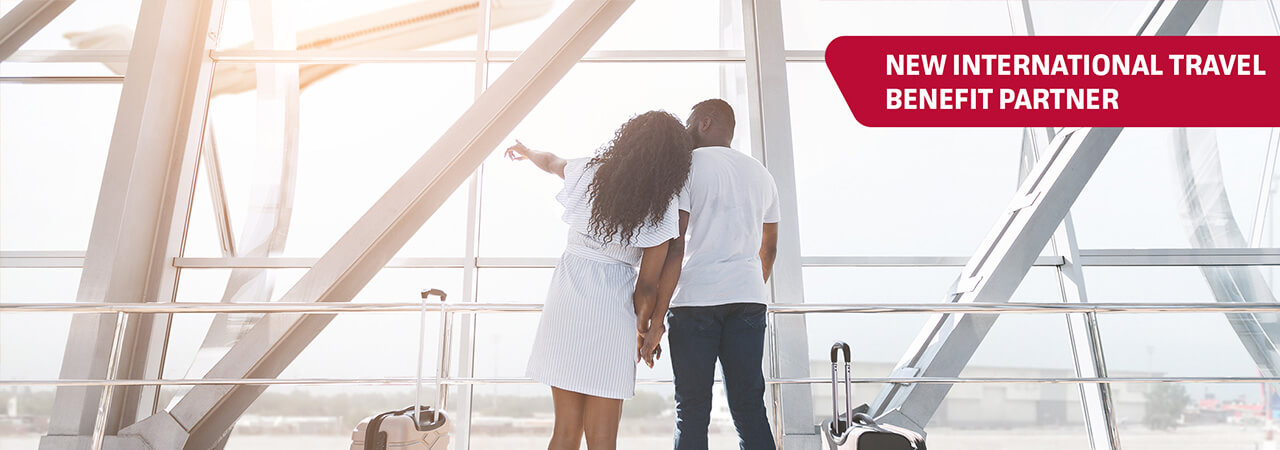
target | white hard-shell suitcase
[
  {"x": 416, "y": 427},
  {"x": 857, "y": 430}
]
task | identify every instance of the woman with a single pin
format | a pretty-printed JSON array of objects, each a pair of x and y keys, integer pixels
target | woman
[{"x": 621, "y": 209}]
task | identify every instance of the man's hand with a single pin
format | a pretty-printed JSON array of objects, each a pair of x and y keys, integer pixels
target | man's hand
[{"x": 651, "y": 346}]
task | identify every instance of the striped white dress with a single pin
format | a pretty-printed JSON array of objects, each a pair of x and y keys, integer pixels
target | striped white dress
[{"x": 586, "y": 340}]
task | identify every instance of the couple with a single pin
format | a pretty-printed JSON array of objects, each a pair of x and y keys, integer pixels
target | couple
[{"x": 632, "y": 206}]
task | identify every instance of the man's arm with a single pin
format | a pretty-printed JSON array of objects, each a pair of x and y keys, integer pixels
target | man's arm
[
  {"x": 769, "y": 249},
  {"x": 546, "y": 161},
  {"x": 666, "y": 289}
]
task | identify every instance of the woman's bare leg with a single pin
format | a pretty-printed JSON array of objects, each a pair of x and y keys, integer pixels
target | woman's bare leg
[
  {"x": 600, "y": 422},
  {"x": 569, "y": 407}
]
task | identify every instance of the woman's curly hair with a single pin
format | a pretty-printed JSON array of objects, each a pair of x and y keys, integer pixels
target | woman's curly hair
[{"x": 638, "y": 173}]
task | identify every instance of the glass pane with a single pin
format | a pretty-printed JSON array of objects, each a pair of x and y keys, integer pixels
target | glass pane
[
  {"x": 344, "y": 337},
  {"x": 702, "y": 25},
  {"x": 519, "y": 211},
  {"x": 89, "y": 25},
  {"x": 39, "y": 285},
  {"x": 49, "y": 178},
  {"x": 32, "y": 344},
  {"x": 352, "y": 148},
  {"x": 1010, "y": 417},
  {"x": 1072, "y": 18},
  {"x": 513, "y": 285},
  {"x": 1015, "y": 346},
  {"x": 1193, "y": 416},
  {"x": 358, "y": 338},
  {"x": 61, "y": 69},
  {"x": 1115, "y": 212},
  {"x": 364, "y": 25},
  {"x": 878, "y": 341},
  {"x": 1236, "y": 18},
  {"x": 1146, "y": 284},
  {"x": 892, "y": 191},
  {"x": 1183, "y": 344},
  {"x": 911, "y": 285},
  {"x": 812, "y": 24},
  {"x": 1024, "y": 345},
  {"x": 33, "y": 407}
]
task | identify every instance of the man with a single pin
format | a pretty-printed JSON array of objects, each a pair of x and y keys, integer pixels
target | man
[{"x": 729, "y": 211}]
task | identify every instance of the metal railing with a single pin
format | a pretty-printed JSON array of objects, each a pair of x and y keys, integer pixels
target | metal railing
[{"x": 123, "y": 311}]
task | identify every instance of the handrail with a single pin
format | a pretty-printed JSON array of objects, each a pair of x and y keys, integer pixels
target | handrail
[
  {"x": 409, "y": 381},
  {"x": 122, "y": 310},
  {"x": 775, "y": 308}
]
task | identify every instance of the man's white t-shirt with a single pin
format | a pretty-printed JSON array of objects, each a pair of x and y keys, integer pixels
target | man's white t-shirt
[{"x": 729, "y": 197}]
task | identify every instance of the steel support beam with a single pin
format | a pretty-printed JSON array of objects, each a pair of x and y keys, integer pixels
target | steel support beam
[
  {"x": 770, "y": 115},
  {"x": 947, "y": 341},
  {"x": 25, "y": 20},
  {"x": 206, "y": 413},
  {"x": 140, "y": 220},
  {"x": 1086, "y": 344},
  {"x": 1082, "y": 329}
]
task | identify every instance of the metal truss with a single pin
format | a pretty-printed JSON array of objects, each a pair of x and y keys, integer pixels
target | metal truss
[
  {"x": 205, "y": 414},
  {"x": 140, "y": 219},
  {"x": 1086, "y": 342},
  {"x": 25, "y": 20},
  {"x": 948, "y": 341}
]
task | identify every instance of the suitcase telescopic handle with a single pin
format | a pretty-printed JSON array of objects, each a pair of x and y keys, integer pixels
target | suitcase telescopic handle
[
  {"x": 436, "y": 292},
  {"x": 422, "y": 336},
  {"x": 841, "y": 349}
]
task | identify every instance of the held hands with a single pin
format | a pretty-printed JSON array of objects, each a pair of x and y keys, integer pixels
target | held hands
[{"x": 649, "y": 343}]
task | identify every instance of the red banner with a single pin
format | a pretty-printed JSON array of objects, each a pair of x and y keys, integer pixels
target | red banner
[{"x": 991, "y": 81}]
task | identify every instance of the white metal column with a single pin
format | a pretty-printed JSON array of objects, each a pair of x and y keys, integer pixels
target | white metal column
[
  {"x": 771, "y": 142},
  {"x": 470, "y": 271},
  {"x": 207, "y": 412},
  {"x": 141, "y": 213}
]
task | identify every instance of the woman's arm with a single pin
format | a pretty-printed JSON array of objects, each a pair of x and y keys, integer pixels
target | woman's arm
[
  {"x": 546, "y": 161},
  {"x": 667, "y": 282},
  {"x": 646, "y": 295}
]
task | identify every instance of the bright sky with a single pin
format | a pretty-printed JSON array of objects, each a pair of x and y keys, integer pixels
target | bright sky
[{"x": 861, "y": 191}]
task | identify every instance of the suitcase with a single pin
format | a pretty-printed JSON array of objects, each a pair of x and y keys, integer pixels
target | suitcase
[
  {"x": 855, "y": 429},
  {"x": 415, "y": 427}
]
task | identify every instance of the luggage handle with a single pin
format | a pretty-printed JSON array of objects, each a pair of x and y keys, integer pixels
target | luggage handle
[
  {"x": 837, "y": 349},
  {"x": 422, "y": 336}
]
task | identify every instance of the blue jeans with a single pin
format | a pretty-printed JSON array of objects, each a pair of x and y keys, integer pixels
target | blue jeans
[{"x": 733, "y": 334}]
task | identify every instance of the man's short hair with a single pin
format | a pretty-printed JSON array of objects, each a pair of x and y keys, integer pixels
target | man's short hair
[{"x": 718, "y": 110}]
